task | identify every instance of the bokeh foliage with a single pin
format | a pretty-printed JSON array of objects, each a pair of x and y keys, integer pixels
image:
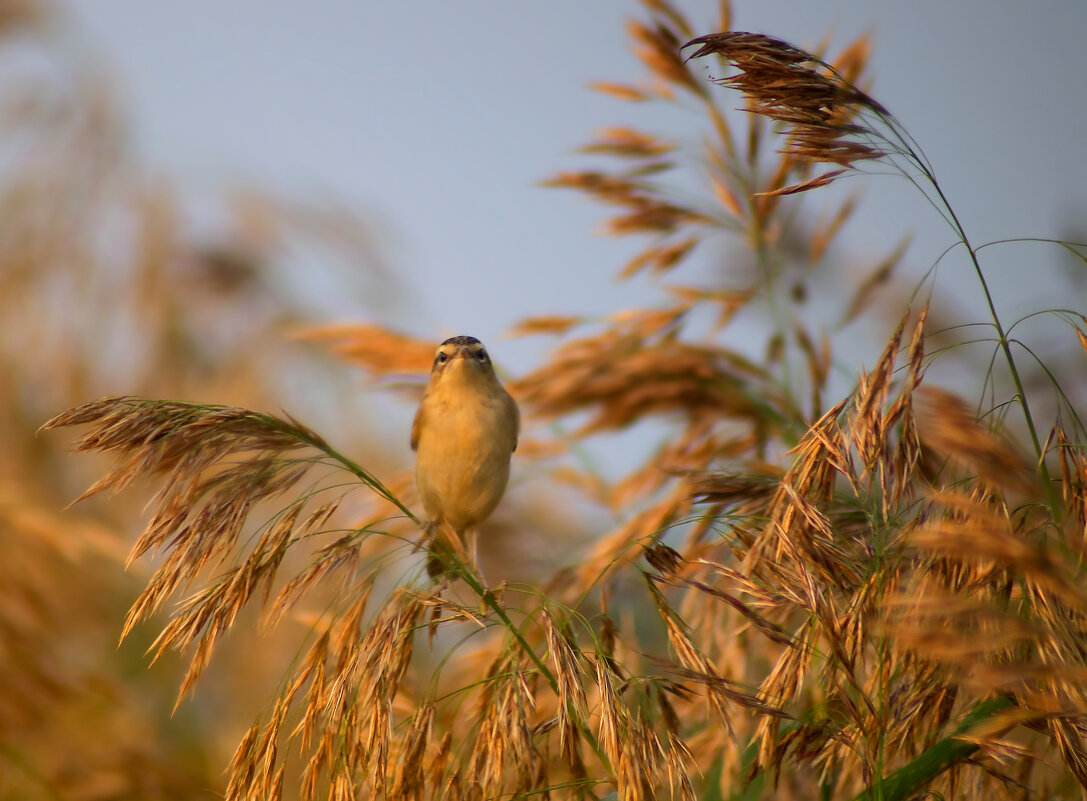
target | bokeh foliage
[{"x": 870, "y": 592}]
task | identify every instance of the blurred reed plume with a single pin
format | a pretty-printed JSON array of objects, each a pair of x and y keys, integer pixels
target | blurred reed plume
[
  {"x": 869, "y": 593},
  {"x": 105, "y": 282}
]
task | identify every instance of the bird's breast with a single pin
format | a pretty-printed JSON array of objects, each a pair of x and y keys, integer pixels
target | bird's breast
[{"x": 463, "y": 454}]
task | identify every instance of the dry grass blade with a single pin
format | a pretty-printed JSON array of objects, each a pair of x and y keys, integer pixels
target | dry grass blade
[
  {"x": 621, "y": 91},
  {"x": 904, "y": 593},
  {"x": 974, "y": 530},
  {"x": 569, "y": 666},
  {"x": 221, "y": 465},
  {"x": 628, "y": 143},
  {"x": 658, "y": 48},
  {"x": 660, "y": 258},
  {"x": 182, "y": 440},
  {"x": 376, "y": 348},
  {"x": 804, "y": 186},
  {"x": 548, "y": 324},
  {"x": 410, "y": 779},
  {"x": 952, "y": 431},
  {"x": 505, "y": 755},
  {"x": 159, "y": 437},
  {"x": 825, "y": 232},
  {"x": 950, "y": 628},
  {"x": 817, "y": 103},
  {"x": 908, "y": 452},
  {"x": 625, "y": 378},
  {"x": 877, "y": 278},
  {"x": 695, "y": 662},
  {"x": 765, "y": 626},
  {"x": 869, "y": 426}
]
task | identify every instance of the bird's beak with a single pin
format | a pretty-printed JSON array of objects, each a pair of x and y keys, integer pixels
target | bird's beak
[{"x": 464, "y": 356}]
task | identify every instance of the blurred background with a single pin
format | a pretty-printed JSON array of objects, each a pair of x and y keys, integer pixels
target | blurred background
[
  {"x": 436, "y": 127},
  {"x": 183, "y": 189}
]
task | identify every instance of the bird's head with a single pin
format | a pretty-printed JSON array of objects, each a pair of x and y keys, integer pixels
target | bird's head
[{"x": 459, "y": 354}]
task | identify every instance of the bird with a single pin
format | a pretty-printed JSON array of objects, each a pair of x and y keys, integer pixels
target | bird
[{"x": 464, "y": 434}]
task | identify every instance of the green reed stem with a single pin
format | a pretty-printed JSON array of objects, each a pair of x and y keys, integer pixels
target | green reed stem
[
  {"x": 1004, "y": 343},
  {"x": 468, "y": 576},
  {"x": 908, "y": 781}
]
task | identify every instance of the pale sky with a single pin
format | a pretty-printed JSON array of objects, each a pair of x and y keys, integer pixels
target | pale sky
[{"x": 439, "y": 119}]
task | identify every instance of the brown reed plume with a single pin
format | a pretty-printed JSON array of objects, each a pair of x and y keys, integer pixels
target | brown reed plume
[
  {"x": 871, "y": 596},
  {"x": 105, "y": 283}
]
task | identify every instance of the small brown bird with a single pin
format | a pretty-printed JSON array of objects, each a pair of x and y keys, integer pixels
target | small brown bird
[{"x": 464, "y": 434}]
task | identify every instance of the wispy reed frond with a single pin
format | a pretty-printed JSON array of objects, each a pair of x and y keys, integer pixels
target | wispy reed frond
[{"x": 862, "y": 591}]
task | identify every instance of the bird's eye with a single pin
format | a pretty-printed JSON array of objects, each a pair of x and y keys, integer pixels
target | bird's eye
[
  {"x": 442, "y": 358},
  {"x": 482, "y": 356}
]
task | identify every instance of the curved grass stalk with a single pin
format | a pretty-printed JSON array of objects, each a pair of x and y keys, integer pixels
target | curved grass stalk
[
  {"x": 911, "y": 779},
  {"x": 180, "y": 441},
  {"x": 825, "y": 114}
]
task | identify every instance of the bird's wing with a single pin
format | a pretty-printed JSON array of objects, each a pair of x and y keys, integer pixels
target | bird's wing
[
  {"x": 516, "y": 422},
  {"x": 416, "y": 427}
]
